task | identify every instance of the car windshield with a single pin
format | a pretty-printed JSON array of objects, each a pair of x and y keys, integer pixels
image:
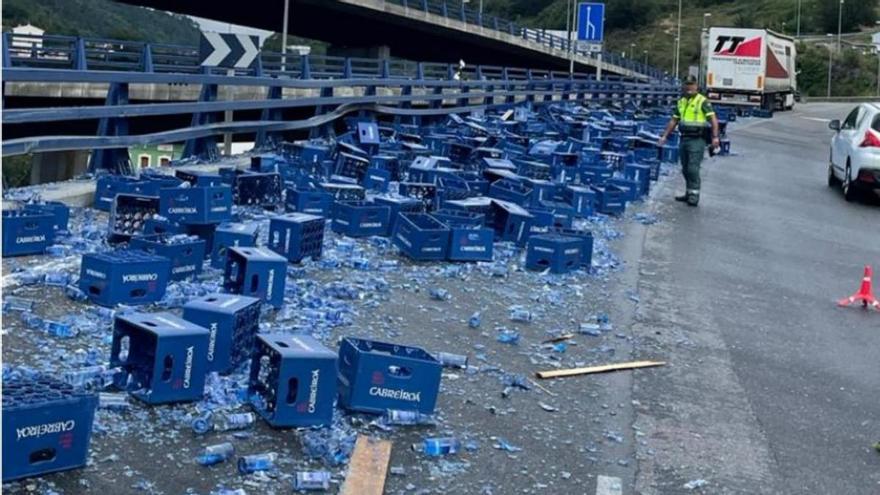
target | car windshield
[{"x": 876, "y": 124}]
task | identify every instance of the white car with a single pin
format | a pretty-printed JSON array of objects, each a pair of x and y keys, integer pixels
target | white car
[{"x": 855, "y": 151}]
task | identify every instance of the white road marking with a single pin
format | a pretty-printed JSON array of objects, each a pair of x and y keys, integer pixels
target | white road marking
[
  {"x": 817, "y": 119},
  {"x": 608, "y": 485}
]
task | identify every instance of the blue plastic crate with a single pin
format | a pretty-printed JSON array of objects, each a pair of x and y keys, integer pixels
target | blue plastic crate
[
  {"x": 512, "y": 191},
  {"x": 199, "y": 178},
  {"x": 47, "y": 426},
  {"x": 306, "y": 152},
  {"x": 360, "y": 218},
  {"x": 376, "y": 376},
  {"x": 610, "y": 199},
  {"x": 586, "y": 238},
  {"x": 124, "y": 277},
  {"x": 232, "y": 322},
  {"x": 163, "y": 356},
  {"x": 229, "y": 235},
  {"x": 398, "y": 205},
  {"x": 128, "y": 214},
  {"x": 196, "y": 205},
  {"x": 26, "y": 232},
  {"x": 311, "y": 202},
  {"x": 479, "y": 205},
  {"x": 761, "y": 113},
  {"x": 563, "y": 214},
  {"x": 352, "y": 166},
  {"x": 343, "y": 192},
  {"x": 376, "y": 179},
  {"x": 534, "y": 169},
  {"x": 542, "y": 190},
  {"x": 204, "y": 232},
  {"x": 420, "y": 236},
  {"x": 59, "y": 211},
  {"x": 368, "y": 133},
  {"x": 725, "y": 147},
  {"x": 581, "y": 198},
  {"x": 641, "y": 174},
  {"x": 460, "y": 218},
  {"x": 108, "y": 186},
  {"x": 187, "y": 253},
  {"x": 297, "y": 236},
  {"x": 643, "y": 154},
  {"x": 256, "y": 272},
  {"x": 558, "y": 253},
  {"x": 459, "y": 152},
  {"x": 470, "y": 243},
  {"x": 669, "y": 153},
  {"x": 425, "y": 192},
  {"x": 257, "y": 189},
  {"x": 595, "y": 175},
  {"x": 292, "y": 380},
  {"x": 629, "y": 187},
  {"x": 156, "y": 226},
  {"x": 389, "y": 163},
  {"x": 511, "y": 222},
  {"x": 267, "y": 163}
]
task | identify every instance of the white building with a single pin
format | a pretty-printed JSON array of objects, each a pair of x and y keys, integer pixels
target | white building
[{"x": 23, "y": 41}]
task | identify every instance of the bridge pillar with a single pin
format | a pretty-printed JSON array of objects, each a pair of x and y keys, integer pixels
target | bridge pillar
[{"x": 56, "y": 166}]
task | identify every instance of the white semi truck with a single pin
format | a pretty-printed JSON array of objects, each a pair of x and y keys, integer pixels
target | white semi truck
[{"x": 751, "y": 67}]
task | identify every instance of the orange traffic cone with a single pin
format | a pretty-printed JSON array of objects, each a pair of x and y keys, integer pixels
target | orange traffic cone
[{"x": 864, "y": 295}]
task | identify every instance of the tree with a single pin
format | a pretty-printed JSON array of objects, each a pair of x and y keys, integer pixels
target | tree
[{"x": 855, "y": 13}]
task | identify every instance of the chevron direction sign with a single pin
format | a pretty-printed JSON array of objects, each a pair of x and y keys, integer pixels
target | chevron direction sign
[{"x": 229, "y": 50}]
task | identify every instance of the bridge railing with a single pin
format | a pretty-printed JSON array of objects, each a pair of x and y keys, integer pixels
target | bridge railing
[{"x": 457, "y": 11}]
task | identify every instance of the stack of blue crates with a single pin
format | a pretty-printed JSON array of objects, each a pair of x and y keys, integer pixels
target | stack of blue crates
[
  {"x": 292, "y": 380},
  {"x": 297, "y": 236},
  {"x": 232, "y": 322},
  {"x": 47, "y": 426}
]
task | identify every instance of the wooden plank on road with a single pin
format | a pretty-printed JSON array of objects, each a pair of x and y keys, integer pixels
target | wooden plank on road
[
  {"x": 598, "y": 369},
  {"x": 368, "y": 467}
]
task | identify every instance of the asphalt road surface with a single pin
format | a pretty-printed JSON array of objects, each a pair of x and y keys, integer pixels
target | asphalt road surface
[{"x": 772, "y": 388}]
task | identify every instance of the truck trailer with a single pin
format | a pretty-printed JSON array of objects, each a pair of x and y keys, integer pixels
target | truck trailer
[{"x": 751, "y": 67}]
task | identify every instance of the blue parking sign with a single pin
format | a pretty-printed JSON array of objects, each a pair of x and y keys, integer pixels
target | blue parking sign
[{"x": 591, "y": 22}]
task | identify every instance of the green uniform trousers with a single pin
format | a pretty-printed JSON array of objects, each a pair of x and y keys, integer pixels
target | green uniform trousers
[{"x": 691, "y": 154}]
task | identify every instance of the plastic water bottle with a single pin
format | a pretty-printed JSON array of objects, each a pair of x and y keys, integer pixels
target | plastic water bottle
[
  {"x": 74, "y": 293},
  {"x": 15, "y": 303},
  {"x": 88, "y": 378},
  {"x": 202, "y": 424},
  {"x": 233, "y": 421},
  {"x": 59, "y": 279},
  {"x": 311, "y": 480},
  {"x": 31, "y": 320},
  {"x": 475, "y": 320},
  {"x": 114, "y": 401},
  {"x": 521, "y": 315},
  {"x": 215, "y": 454},
  {"x": 438, "y": 446},
  {"x": 449, "y": 360},
  {"x": 508, "y": 337},
  {"x": 406, "y": 418},
  {"x": 227, "y": 491},
  {"x": 256, "y": 462},
  {"x": 60, "y": 329}
]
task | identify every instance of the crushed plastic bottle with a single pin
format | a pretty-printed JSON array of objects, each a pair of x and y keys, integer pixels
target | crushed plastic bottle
[
  {"x": 114, "y": 401},
  {"x": 60, "y": 329},
  {"x": 257, "y": 462},
  {"x": 74, "y": 293},
  {"x": 215, "y": 454},
  {"x": 57, "y": 279},
  {"x": 506, "y": 336},
  {"x": 227, "y": 491},
  {"x": 222, "y": 421},
  {"x": 397, "y": 417},
  {"x": 438, "y": 446},
  {"x": 440, "y": 294},
  {"x": 520, "y": 314},
  {"x": 449, "y": 360},
  {"x": 90, "y": 378},
  {"x": 311, "y": 480}
]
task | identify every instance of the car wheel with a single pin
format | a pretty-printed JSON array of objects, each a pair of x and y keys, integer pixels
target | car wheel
[
  {"x": 832, "y": 180},
  {"x": 849, "y": 189}
]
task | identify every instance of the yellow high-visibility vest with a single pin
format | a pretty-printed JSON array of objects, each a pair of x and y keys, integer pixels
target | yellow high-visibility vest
[{"x": 691, "y": 111}]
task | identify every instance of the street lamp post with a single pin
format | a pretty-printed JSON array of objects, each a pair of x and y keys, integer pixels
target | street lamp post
[
  {"x": 798, "y": 19},
  {"x": 830, "y": 53},
  {"x": 703, "y": 43},
  {"x": 839, "y": 22},
  {"x": 632, "y": 47},
  {"x": 645, "y": 53},
  {"x": 677, "y": 43},
  {"x": 284, "y": 37}
]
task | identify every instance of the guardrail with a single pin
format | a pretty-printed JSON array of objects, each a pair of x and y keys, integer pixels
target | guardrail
[
  {"x": 457, "y": 11},
  {"x": 411, "y": 90}
]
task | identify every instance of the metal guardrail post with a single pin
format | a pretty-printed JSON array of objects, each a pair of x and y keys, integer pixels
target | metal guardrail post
[
  {"x": 495, "y": 23},
  {"x": 386, "y": 69},
  {"x": 463, "y": 14},
  {"x": 264, "y": 139},
  {"x": 425, "y": 5},
  {"x": 420, "y": 71},
  {"x": 325, "y": 129},
  {"x": 7, "y": 60},
  {"x": 258, "y": 67},
  {"x": 505, "y": 75},
  {"x": 445, "y": 9},
  {"x": 203, "y": 147},
  {"x": 450, "y": 72},
  {"x": 79, "y": 57},
  {"x": 147, "y": 58},
  {"x": 346, "y": 68},
  {"x": 306, "y": 68},
  {"x": 114, "y": 160}
]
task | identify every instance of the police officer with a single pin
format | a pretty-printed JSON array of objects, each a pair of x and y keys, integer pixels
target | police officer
[{"x": 691, "y": 114}]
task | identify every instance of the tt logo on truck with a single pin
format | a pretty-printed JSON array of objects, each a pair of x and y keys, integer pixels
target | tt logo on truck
[{"x": 734, "y": 42}]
